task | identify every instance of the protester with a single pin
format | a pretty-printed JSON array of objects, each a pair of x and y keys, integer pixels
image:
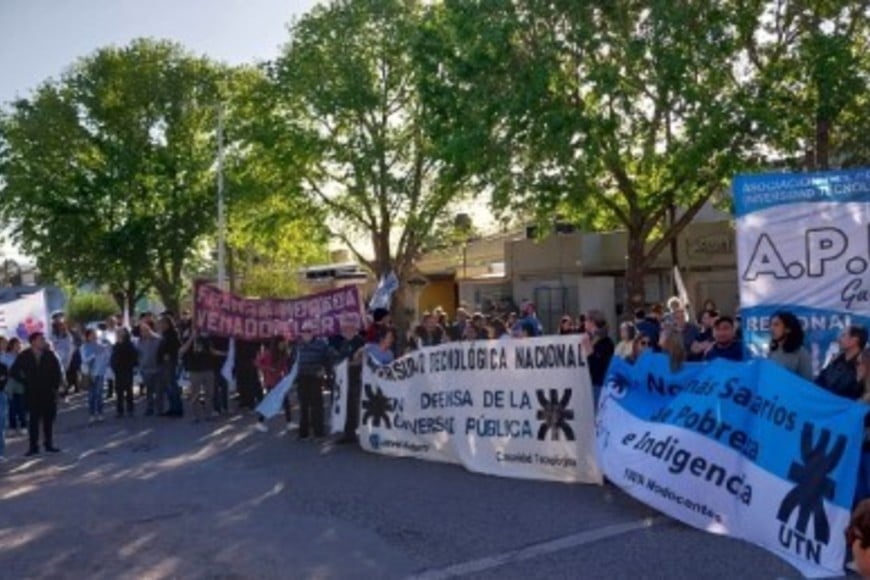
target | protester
[
  {"x": 456, "y": 331},
  {"x": 858, "y": 538},
  {"x": 671, "y": 343},
  {"x": 39, "y": 370},
  {"x": 470, "y": 332},
  {"x": 566, "y": 325},
  {"x": 64, "y": 348},
  {"x": 4, "y": 408},
  {"x": 168, "y": 360},
  {"x": 108, "y": 336},
  {"x": 246, "y": 373},
  {"x": 627, "y": 334},
  {"x": 704, "y": 340},
  {"x": 95, "y": 360},
  {"x": 598, "y": 348},
  {"x": 151, "y": 369},
  {"x": 642, "y": 343},
  {"x": 862, "y": 373},
  {"x": 676, "y": 309},
  {"x": 14, "y": 390},
  {"x": 273, "y": 362},
  {"x": 725, "y": 343},
  {"x": 787, "y": 345},
  {"x": 499, "y": 330},
  {"x": 315, "y": 359},
  {"x": 840, "y": 376},
  {"x": 523, "y": 329},
  {"x": 441, "y": 319},
  {"x": 346, "y": 346},
  {"x": 511, "y": 321},
  {"x": 219, "y": 347},
  {"x": 530, "y": 316},
  {"x": 428, "y": 333},
  {"x": 650, "y": 326},
  {"x": 687, "y": 330},
  {"x": 381, "y": 351},
  {"x": 478, "y": 323},
  {"x": 580, "y": 327},
  {"x": 381, "y": 318},
  {"x": 123, "y": 361},
  {"x": 196, "y": 355}
]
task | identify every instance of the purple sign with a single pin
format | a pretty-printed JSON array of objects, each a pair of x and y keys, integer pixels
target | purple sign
[{"x": 223, "y": 314}]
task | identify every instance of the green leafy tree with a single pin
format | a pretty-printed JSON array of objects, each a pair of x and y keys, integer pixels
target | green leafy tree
[
  {"x": 811, "y": 59},
  {"x": 347, "y": 116},
  {"x": 109, "y": 172},
  {"x": 273, "y": 228},
  {"x": 611, "y": 113},
  {"x": 85, "y": 307}
]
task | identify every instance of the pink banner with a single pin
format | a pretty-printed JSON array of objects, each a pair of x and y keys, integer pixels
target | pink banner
[{"x": 223, "y": 314}]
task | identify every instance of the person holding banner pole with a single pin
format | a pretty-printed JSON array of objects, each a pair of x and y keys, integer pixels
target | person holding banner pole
[
  {"x": 314, "y": 359},
  {"x": 346, "y": 346},
  {"x": 273, "y": 364},
  {"x": 598, "y": 348}
]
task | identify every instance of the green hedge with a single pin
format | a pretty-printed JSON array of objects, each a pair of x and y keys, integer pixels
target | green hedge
[{"x": 90, "y": 307}]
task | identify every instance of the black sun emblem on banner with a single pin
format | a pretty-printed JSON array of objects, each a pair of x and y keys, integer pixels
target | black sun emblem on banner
[
  {"x": 554, "y": 415},
  {"x": 375, "y": 406}
]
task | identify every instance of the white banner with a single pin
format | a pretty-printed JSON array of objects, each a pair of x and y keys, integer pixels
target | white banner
[
  {"x": 20, "y": 318},
  {"x": 518, "y": 408},
  {"x": 803, "y": 245},
  {"x": 339, "y": 398}
]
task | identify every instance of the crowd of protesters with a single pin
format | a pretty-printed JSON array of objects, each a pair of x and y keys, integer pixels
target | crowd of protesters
[{"x": 109, "y": 360}]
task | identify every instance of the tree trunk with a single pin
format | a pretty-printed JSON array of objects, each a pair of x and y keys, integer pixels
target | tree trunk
[
  {"x": 635, "y": 286},
  {"x": 823, "y": 143}
]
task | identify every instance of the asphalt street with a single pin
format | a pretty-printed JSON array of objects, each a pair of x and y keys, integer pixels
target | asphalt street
[{"x": 167, "y": 498}]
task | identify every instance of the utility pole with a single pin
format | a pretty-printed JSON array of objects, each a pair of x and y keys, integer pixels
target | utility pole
[{"x": 221, "y": 207}]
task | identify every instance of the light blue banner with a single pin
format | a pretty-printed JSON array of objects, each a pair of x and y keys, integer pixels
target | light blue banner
[
  {"x": 749, "y": 450},
  {"x": 766, "y": 190},
  {"x": 756, "y": 408}
]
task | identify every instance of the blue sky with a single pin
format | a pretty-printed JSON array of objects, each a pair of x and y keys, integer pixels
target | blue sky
[{"x": 40, "y": 38}]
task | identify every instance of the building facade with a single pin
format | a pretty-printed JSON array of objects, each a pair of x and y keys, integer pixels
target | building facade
[{"x": 572, "y": 272}]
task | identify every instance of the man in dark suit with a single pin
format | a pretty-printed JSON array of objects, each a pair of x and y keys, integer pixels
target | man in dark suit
[{"x": 39, "y": 370}]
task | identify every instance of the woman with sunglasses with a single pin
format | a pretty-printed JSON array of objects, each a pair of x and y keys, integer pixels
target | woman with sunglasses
[{"x": 640, "y": 345}]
